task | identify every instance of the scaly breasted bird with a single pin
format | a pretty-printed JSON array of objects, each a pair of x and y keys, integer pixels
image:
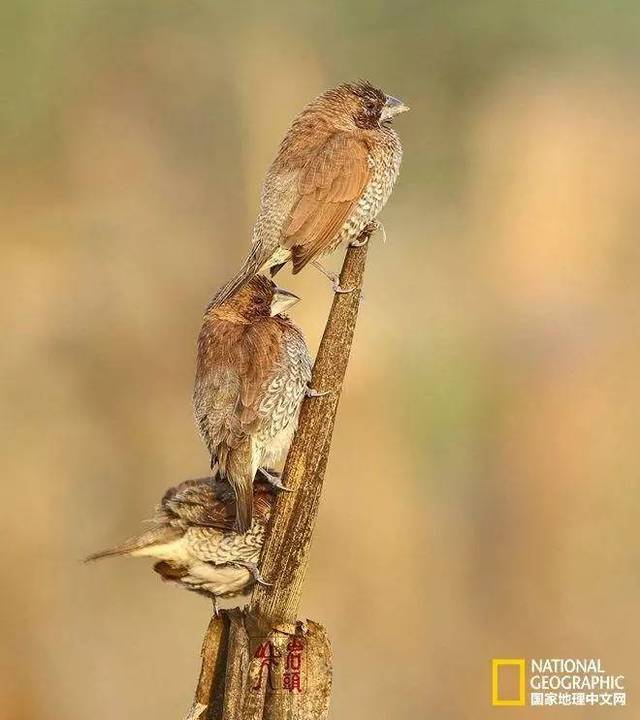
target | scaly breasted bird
[
  {"x": 333, "y": 173},
  {"x": 193, "y": 541},
  {"x": 252, "y": 373}
]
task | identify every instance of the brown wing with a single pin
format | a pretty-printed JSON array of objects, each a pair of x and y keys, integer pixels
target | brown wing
[
  {"x": 204, "y": 503},
  {"x": 263, "y": 346},
  {"x": 233, "y": 364},
  {"x": 330, "y": 185},
  {"x": 209, "y": 502}
]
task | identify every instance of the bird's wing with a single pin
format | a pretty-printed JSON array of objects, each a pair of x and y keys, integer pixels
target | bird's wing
[
  {"x": 227, "y": 405},
  {"x": 330, "y": 185},
  {"x": 285, "y": 387},
  {"x": 217, "y": 398},
  {"x": 227, "y": 394},
  {"x": 201, "y": 503}
]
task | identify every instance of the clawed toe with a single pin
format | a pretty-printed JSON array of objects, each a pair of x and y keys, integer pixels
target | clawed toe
[
  {"x": 310, "y": 392},
  {"x": 255, "y": 572},
  {"x": 359, "y": 243},
  {"x": 367, "y": 232},
  {"x": 274, "y": 479},
  {"x": 337, "y": 288}
]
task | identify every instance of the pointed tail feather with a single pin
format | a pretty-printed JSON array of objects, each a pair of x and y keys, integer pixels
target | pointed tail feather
[
  {"x": 236, "y": 467},
  {"x": 251, "y": 266},
  {"x": 154, "y": 536},
  {"x": 243, "y": 489}
]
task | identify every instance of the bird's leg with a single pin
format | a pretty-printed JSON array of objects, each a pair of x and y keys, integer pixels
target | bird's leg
[
  {"x": 335, "y": 280},
  {"x": 366, "y": 234},
  {"x": 216, "y": 609},
  {"x": 253, "y": 569},
  {"x": 274, "y": 479}
]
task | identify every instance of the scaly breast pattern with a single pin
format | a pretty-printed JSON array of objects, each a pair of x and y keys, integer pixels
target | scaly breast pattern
[
  {"x": 385, "y": 164},
  {"x": 282, "y": 397}
]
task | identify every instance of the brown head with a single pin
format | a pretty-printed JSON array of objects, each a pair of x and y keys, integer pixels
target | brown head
[
  {"x": 356, "y": 105},
  {"x": 258, "y": 298}
]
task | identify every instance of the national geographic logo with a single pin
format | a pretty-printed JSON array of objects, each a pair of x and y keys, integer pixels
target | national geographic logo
[
  {"x": 496, "y": 666},
  {"x": 555, "y": 682}
]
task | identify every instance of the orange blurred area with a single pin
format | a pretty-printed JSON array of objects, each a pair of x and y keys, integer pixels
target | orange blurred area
[{"x": 482, "y": 494}]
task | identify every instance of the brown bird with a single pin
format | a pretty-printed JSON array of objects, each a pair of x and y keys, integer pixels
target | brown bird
[
  {"x": 333, "y": 173},
  {"x": 252, "y": 373},
  {"x": 193, "y": 541}
]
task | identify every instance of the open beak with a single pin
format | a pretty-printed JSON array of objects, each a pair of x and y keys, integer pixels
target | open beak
[
  {"x": 392, "y": 107},
  {"x": 282, "y": 301}
]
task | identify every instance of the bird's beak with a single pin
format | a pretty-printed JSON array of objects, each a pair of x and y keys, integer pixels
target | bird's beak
[
  {"x": 282, "y": 301},
  {"x": 392, "y": 107}
]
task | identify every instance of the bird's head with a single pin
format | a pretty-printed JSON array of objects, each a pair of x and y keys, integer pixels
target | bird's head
[
  {"x": 361, "y": 105},
  {"x": 258, "y": 298}
]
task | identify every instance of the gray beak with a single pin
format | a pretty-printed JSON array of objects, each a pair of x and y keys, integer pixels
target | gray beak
[
  {"x": 392, "y": 107},
  {"x": 282, "y": 301}
]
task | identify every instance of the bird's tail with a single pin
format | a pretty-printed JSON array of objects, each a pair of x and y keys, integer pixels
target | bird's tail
[
  {"x": 244, "y": 502},
  {"x": 251, "y": 266},
  {"x": 152, "y": 537},
  {"x": 237, "y": 468}
]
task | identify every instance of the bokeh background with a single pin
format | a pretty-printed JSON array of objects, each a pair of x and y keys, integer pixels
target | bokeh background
[{"x": 482, "y": 496}]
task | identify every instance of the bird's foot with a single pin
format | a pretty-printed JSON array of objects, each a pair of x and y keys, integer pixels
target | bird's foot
[
  {"x": 274, "y": 479},
  {"x": 255, "y": 572},
  {"x": 369, "y": 230},
  {"x": 312, "y": 393},
  {"x": 364, "y": 236},
  {"x": 335, "y": 280},
  {"x": 337, "y": 288}
]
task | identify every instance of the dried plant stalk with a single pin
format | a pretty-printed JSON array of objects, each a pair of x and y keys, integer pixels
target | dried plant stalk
[
  {"x": 284, "y": 558},
  {"x": 237, "y": 665}
]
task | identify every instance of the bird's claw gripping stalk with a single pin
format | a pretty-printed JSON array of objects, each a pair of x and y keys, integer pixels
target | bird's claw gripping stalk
[
  {"x": 312, "y": 393},
  {"x": 274, "y": 480},
  {"x": 337, "y": 288},
  {"x": 255, "y": 572},
  {"x": 368, "y": 231}
]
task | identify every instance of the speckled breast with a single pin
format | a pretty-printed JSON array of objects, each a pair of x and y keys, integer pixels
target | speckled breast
[{"x": 385, "y": 164}]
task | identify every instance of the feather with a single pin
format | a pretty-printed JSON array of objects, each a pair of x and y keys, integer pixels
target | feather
[{"x": 155, "y": 536}]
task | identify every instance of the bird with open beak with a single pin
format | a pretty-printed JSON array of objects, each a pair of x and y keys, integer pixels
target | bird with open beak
[
  {"x": 252, "y": 373},
  {"x": 193, "y": 542},
  {"x": 333, "y": 173}
]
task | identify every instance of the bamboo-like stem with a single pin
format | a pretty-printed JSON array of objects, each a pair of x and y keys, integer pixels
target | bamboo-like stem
[
  {"x": 234, "y": 674},
  {"x": 209, "y": 693},
  {"x": 285, "y": 555}
]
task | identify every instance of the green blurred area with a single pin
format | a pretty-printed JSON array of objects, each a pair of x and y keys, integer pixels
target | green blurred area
[{"x": 482, "y": 495}]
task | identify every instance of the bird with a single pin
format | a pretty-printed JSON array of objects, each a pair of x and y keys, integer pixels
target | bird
[
  {"x": 334, "y": 172},
  {"x": 193, "y": 542},
  {"x": 252, "y": 372}
]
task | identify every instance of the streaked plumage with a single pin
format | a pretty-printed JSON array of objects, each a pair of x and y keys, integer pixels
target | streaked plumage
[
  {"x": 252, "y": 372},
  {"x": 333, "y": 173},
  {"x": 193, "y": 541}
]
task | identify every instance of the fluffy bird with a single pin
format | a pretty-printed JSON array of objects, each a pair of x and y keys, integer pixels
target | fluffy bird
[
  {"x": 333, "y": 173},
  {"x": 252, "y": 373},
  {"x": 193, "y": 541}
]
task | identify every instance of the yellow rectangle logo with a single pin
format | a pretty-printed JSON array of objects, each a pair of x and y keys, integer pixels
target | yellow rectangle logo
[{"x": 496, "y": 664}]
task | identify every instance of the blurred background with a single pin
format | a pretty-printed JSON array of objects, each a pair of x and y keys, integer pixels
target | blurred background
[{"x": 482, "y": 496}]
